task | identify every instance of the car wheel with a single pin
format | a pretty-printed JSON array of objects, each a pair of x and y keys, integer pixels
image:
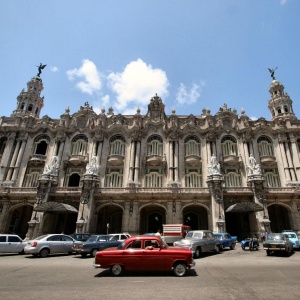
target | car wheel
[
  {"x": 116, "y": 270},
  {"x": 44, "y": 253},
  {"x": 94, "y": 252},
  {"x": 22, "y": 252},
  {"x": 180, "y": 269},
  {"x": 217, "y": 249},
  {"x": 232, "y": 246},
  {"x": 83, "y": 254},
  {"x": 197, "y": 252},
  {"x": 268, "y": 252}
]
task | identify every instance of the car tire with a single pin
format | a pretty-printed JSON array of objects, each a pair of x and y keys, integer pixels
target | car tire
[
  {"x": 217, "y": 249},
  {"x": 116, "y": 270},
  {"x": 232, "y": 246},
  {"x": 198, "y": 252},
  {"x": 44, "y": 253},
  {"x": 180, "y": 269},
  {"x": 94, "y": 252},
  {"x": 22, "y": 252}
]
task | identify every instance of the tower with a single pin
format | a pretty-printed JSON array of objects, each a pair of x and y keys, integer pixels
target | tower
[
  {"x": 30, "y": 102},
  {"x": 280, "y": 104}
]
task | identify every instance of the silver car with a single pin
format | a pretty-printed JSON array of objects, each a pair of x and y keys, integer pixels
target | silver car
[
  {"x": 11, "y": 243},
  {"x": 49, "y": 244}
]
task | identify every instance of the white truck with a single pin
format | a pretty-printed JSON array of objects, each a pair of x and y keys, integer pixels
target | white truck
[{"x": 174, "y": 232}]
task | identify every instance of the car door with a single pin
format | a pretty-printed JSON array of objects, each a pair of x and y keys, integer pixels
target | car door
[
  {"x": 55, "y": 244},
  {"x": 132, "y": 256},
  {"x": 3, "y": 243},
  {"x": 14, "y": 244},
  {"x": 67, "y": 244},
  {"x": 154, "y": 258},
  {"x": 211, "y": 241}
]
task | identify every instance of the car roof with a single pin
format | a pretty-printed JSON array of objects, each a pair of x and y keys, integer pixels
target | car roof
[{"x": 4, "y": 234}]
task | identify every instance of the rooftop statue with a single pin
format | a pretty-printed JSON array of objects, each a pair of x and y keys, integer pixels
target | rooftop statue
[
  {"x": 40, "y": 68},
  {"x": 272, "y": 71}
]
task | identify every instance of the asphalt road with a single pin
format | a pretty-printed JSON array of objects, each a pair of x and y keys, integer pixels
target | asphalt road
[{"x": 233, "y": 274}]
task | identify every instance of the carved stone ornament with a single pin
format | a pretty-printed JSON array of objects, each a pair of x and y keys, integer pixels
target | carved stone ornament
[{"x": 260, "y": 191}]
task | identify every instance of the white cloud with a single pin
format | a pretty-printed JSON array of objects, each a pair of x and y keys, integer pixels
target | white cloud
[
  {"x": 90, "y": 82},
  {"x": 54, "y": 69},
  {"x": 185, "y": 96},
  {"x": 137, "y": 84},
  {"x": 102, "y": 103},
  {"x": 253, "y": 118}
]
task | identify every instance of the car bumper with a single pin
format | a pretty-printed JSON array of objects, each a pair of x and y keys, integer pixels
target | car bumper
[
  {"x": 96, "y": 266},
  {"x": 31, "y": 250},
  {"x": 275, "y": 249}
]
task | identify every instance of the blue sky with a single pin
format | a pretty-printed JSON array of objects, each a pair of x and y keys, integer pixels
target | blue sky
[{"x": 194, "y": 54}]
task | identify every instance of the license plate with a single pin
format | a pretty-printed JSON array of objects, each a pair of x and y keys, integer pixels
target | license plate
[{"x": 273, "y": 246}]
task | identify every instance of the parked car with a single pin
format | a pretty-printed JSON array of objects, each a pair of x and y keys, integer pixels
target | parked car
[
  {"x": 11, "y": 243},
  {"x": 95, "y": 243},
  {"x": 82, "y": 237},
  {"x": 49, "y": 244},
  {"x": 145, "y": 253},
  {"x": 278, "y": 242},
  {"x": 121, "y": 236},
  {"x": 200, "y": 241},
  {"x": 227, "y": 241},
  {"x": 292, "y": 236}
]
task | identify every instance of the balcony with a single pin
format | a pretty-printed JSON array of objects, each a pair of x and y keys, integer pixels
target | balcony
[
  {"x": 115, "y": 160},
  {"x": 193, "y": 160},
  {"x": 230, "y": 160},
  {"x": 37, "y": 159},
  {"x": 77, "y": 160},
  {"x": 268, "y": 160},
  {"x": 154, "y": 160}
]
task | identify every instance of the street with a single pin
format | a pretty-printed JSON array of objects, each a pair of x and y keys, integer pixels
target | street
[{"x": 233, "y": 274}]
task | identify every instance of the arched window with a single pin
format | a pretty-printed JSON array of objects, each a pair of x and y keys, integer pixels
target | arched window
[
  {"x": 3, "y": 142},
  {"x": 286, "y": 110},
  {"x": 271, "y": 178},
  {"x": 22, "y": 105},
  {"x": 193, "y": 178},
  {"x": 30, "y": 107},
  {"x": 41, "y": 144},
  {"x": 117, "y": 145},
  {"x": 73, "y": 177},
  {"x": 32, "y": 176},
  {"x": 265, "y": 146},
  {"x": 155, "y": 145},
  {"x": 192, "y": 146},
  {"x": 79, "y": 145},
  {"x": 229, "y": 146},
  {"x": 114, "y": 177},
  {"x": 232, "y": 178},
  {"x": 153, "y": 178}
]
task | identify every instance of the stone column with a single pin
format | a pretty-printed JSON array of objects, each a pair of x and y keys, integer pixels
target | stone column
[
  {"x": 285, "y": 164},
  {"x": 6, "y": 156},
  {"x": 137, "y": 163},
  {"x": 19, "y": 160},
  {"x": 13, "y": 161},
  {"x": 290, "y": 162},
  {"x": 176, "y": 157},
  {"x": 295, "y": 157},
  {"x": 131, "y": 164}
]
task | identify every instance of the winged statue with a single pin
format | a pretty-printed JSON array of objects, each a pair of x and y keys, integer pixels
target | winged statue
[
  {"x": 272, "y": 71},
  {"x": 40, "y": 68}
]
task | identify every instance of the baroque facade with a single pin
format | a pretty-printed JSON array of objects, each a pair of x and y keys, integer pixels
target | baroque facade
[{"x": 99, "y": 173}]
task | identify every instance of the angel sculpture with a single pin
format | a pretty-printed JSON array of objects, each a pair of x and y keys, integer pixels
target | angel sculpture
[
  {"x": 272, "y": 71},
  {"x": 40, "y": 68}
]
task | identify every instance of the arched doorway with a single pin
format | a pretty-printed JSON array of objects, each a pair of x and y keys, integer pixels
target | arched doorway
[
  {"x": 196, "y": 217},
  {"x": 18, "y": 219},
  {"x": 279, "y": 217},
  {"x": 59, "y": 222},
  {"x": 152, "y": 218},
  {"x": 238, "y": 224},
  {"x": 110, "y": 219}
]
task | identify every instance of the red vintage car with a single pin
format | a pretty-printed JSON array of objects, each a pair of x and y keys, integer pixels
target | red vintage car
[{"x": 145, "y": 253}]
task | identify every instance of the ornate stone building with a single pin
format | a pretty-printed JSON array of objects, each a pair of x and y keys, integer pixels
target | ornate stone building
[{"x": 98, "y": 173}]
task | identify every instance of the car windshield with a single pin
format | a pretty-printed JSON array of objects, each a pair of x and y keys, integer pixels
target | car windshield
[
  {"x": 92, "y": 238},
  {"x": 276, "y": 236},
  {"x": 290, "y": 235},
  {"x": 193, "y": 234},
  {"x": 218, "y": 236}
]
